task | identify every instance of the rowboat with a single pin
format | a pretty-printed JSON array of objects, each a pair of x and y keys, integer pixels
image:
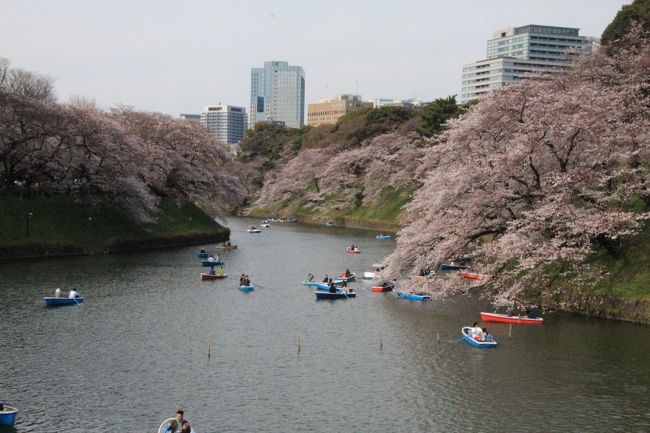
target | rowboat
[
  {"x": 368, "y": 276},
  {"x": 320, "y": 285},
  {"x": 383, "y": 288},
  {"x": 329, "y": 225},
  {"x": 413, "y": 297},
  {"x": 208, "y": 263},
  {"x": 383, "y": 237},
  {"x": 8, "y": 416},
  {"x": 451, "y": 267},
  {"x": 324, "y": 294},
  {"x": 266, "y": 225},
  {"x": 472, "y": 342},
  {"x": 349, "y": 278},
  {"x": 349, "y": 251},
  {"x": 203, "y": 255},
  {"x": 164, "y": 426},
  {"x": 52, "y": 301},
  {"x": 246, "y": 288},
  {"x": 255, "y": 230},
  {"x": 472, "y": 276},
  {"x": 226, "y": 247},
  {"x": 210, "y": 277},
  {"x": 515, "y": 320}
]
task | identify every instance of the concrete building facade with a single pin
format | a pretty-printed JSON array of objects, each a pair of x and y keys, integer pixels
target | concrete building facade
[
  {"x": 227, "y": 122},
  {"x": 514, "y": 52},
  {"x": 277, "y": 94},
  {"x": 329, "y": 110}
]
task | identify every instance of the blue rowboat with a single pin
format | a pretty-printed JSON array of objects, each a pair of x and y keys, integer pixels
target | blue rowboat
[
  {"x": 246, "y": 288},
  {"x": 203, "y": 255},
  {"x": 208, "y": 263},
  {"x": 472, "y": 342},
  {"x": 320, "y": 285},
  {"x": 51, "y": 301},
  {"x": 8, "y": 416},
  {"x": 164, "y": 426},
  {"x": 383, "y": 237},
  {"x": 451, "y": 267},
  {"x": 323, "y": 294},
  {"x": 413, "y": 297}
]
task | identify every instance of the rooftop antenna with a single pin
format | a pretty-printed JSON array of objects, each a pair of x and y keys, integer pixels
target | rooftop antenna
[{"x": 356, "y": 87}]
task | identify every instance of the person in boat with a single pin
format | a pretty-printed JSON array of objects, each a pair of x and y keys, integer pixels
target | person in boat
[
  {"x": 247, "y": 281},
  {"x": 347, "y": 273},
  {"x": 176, "y": 425},
  {"x": 332, "y": 287},
  {"x": 211, "y": 259},
  {"x": 202, "y": 251},
  {"x": 485, "y": 335},
  {"x": 227, "y": 244},
  {"x": 73, "y": 294},
  {"x": 326, "y": 279},
  {"x": 212, "y": 270},
  {"x": 186, "y": 427},
  {"x": 221, "y": 271},
  {"x": 531, "y": 314},
  {"x": 241, "y": 279},
  {"x": 344, "y": 287},
  {"x": 310, "y": 277},
  {"x": 353, "y": 247},
  {"x": 57, "y": 293},
  {"x": 475, "y": 331}
]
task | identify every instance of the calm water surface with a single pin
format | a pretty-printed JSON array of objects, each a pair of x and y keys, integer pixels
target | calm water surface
[{"x": 136, "y": 350}]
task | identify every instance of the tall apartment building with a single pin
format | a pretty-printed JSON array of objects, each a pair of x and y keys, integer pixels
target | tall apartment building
[
  {"x": 277, "y": 94},
  {"x": 227, "y": 122},
  {"x": 329, "y": 110},
  {"x": 514, "y": 52}
]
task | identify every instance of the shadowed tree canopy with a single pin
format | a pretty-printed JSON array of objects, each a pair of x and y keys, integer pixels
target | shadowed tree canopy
[{"x": 638, "y": 11}]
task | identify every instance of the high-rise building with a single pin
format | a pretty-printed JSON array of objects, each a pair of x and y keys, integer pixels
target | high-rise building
[
  {"x": 277, "y": 94},
  {"x": 329, "y": 110},
  {"x": 191, "y": 117},
  {"x": 227, "y": 122},
  {"x": 514, "y": 52}
]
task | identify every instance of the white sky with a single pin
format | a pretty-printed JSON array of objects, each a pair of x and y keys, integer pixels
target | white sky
[{"x": 177, "y": 56}]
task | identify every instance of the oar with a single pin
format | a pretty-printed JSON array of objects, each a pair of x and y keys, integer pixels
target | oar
[{"x": 459, "y": 340}]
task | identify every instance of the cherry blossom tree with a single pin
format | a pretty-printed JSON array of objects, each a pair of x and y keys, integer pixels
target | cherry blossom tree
[{"x": 537, "y": 174}]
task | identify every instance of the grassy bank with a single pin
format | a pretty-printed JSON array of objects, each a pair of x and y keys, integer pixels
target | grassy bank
[
  {"x": 381, "y": 214},
  {"x": 35, "y": 225}
]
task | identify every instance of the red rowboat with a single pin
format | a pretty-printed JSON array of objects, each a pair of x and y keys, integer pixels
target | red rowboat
[
  {"x": 386, "y": 288},
  {"x": 210, "y": 277},
  {"x": 353, "y": 251},
  {"x": 515, "y": 320},
  {"x": 472, "y": 276}
]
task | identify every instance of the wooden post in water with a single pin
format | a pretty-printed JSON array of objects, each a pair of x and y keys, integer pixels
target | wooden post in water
[
  {"x": 209, "y": 348},
  {"x": 381, "y": 342},
  {"x": 510, "y": 331},
  {"x": 438, "y": 337},
  {"x": 299, "y": 344}
]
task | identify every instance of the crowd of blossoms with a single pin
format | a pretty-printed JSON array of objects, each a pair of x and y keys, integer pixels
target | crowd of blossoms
[
  {"x": 356, "y": 176},
  {"x": 535, "y": 175},
  {"x": 133, "y": 158}
]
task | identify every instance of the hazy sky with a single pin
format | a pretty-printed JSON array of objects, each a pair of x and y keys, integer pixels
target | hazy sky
[{"x": 177, "y": 56}]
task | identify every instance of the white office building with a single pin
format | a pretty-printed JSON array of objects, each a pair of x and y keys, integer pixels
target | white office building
[
  {"x": 277, "y": 94},
  {"x": 227, "y": 122},
  {"x": 515, "y": 52}
]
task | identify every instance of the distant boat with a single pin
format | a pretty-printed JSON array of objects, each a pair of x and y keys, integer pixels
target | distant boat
[
  {"x": 209, "y": 277},
  {"x": 413, "y": 297},
  {"x": 291, "y": 220},
  {"x": 473, "y": 276},
  {"x": 473, "y": 342},
  {"x": 246, "y": 289},
  {"x": 266, "y": 225},
  {"x": 52, "y": 301},
  {"x": 451, "y": 267},
  {"x": 515, "y": 320},
  {"x": 368, "y": 276},
  {"x": 325, "y": 294},
  {"x": 226, "y": 247},
  {"x": 8, "y": 416},
  {"x": 383, "y": 237},
  {"x": 351, "y": 277},
  {"x": 203, "y": 255},
  {"x": 329, "y": 225},
  {"x": 383, "y": 288},
  {"x": 355, "y": 251},
  {"x": 208, "y": 263},
  {"x": 253, "y": 229}
]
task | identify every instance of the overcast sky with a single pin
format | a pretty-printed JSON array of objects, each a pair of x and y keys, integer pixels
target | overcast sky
[{"x": 177, "y": 56}]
